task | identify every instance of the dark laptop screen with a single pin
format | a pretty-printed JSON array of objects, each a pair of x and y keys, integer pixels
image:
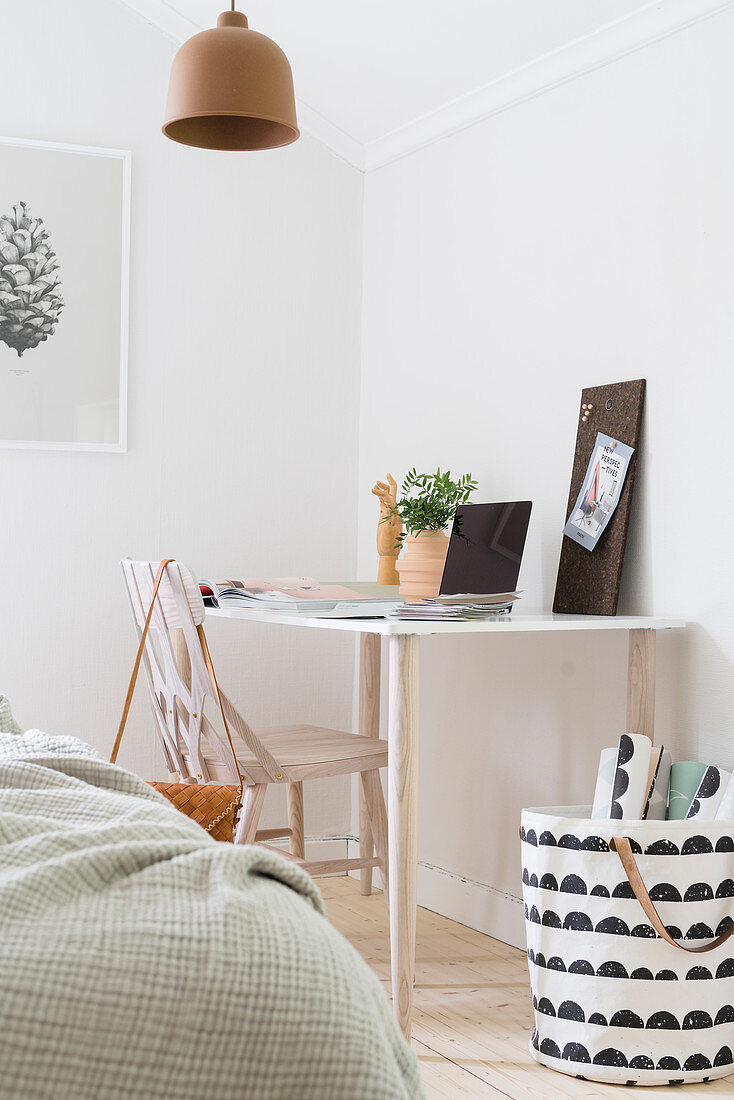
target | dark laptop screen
[{"x": 485, "y": 551}]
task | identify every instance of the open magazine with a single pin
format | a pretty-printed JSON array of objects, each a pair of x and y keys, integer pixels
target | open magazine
[{"x": 294, "y": 594}]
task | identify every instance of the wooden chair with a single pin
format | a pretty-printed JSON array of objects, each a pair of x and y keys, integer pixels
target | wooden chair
[{"x": 196, "y": 749}]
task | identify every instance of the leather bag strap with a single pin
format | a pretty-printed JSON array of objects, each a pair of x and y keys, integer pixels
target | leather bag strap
[
  {"x": 623, "y": 848},
  {"x": 138, "y": 657}
]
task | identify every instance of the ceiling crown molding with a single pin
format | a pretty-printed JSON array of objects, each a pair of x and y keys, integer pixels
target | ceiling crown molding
[{"x": 650, "y": 24}]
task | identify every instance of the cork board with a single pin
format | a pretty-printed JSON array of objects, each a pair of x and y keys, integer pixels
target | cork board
[{"x": 588, "y": 581}]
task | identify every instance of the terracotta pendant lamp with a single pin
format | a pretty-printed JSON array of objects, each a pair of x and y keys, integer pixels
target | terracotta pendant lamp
[{"x": 231, "y": 88}]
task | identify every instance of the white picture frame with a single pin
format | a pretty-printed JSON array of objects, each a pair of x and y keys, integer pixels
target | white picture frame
[{"x": 64, "y": 390}]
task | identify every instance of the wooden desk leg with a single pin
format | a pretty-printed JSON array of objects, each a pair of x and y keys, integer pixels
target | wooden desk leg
[
  {"x": 403, "y": 820},
  {"x": 641, "y": 683},
  {"x": 369, "y": 726}
]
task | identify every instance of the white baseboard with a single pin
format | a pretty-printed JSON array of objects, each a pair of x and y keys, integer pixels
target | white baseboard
[{"x": 475, "y": 904}]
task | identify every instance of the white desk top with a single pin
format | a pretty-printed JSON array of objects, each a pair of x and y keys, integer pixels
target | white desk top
[{"x": 519, "y": 620}]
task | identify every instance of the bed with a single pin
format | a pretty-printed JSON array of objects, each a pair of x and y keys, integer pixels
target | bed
[{"x": 141, "y": 959}]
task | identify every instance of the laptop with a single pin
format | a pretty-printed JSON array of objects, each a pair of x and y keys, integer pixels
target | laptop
[{"x": 486, "y": 548}]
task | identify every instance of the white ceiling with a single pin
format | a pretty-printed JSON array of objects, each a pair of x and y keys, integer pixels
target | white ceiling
[{"x": 368, "y": 72}]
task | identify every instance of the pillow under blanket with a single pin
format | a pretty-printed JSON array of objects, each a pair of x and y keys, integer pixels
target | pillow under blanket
[{"x": 140, "y": 959}]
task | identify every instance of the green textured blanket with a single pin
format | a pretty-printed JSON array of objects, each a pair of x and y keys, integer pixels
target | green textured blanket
[{"x": 140, "y": 959}]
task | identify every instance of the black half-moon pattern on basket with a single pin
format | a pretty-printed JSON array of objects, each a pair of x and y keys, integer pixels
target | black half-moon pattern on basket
[
  {"x": 610, "y": 1056},
  {"x": 664, "y": 891},
  {"x": 570, "y": 1010},
  {"x": 611, "y": 969},
  {"x": 665, "y": 1021},
  {"x": 626, "y": 1018},
  {"x": 700, "y": 931},
  {"x": 725, "y": 888},
  {"x": 573, "y": 884},
  {"x": 641, "y": 1061},
  {"x": 597, "y": 1018},
  {"x": 725, "y": 969},
  {"x": 696, "y": 846},
  {"x": 571, "y": 841},
  {"x": 548, "y": 882},
  {"x": 581, "y": 966},
  {"x": 556, "y": 963},
  {"x": 599, "y": 891},
  {"x": 725, "y": 844},
  {"x": 551, "y": 919},
  {"x": 668, "y": 1063},
  {"x": 577, "y": 921},
  {"x": 643, "y": 931},
  {"x": 723, "y": 925},
  {"x": 594, "y": 844},
  {"x": 725, "y": 1015},
  {"x": 642, "y": 974},
  {"x": 696, "y": 1062},
  {"x": 699, "y": 974},
  {"x": 700, "y": 891},
  {"x": 623, "y": 890},
  {"x": 612, "y": 926},
  {"x": 547, "y": 838},
  {"x": 662, "y": 848},
  {"x": 696, "y": 1020},
  {"x": 575, "y": 1052}
]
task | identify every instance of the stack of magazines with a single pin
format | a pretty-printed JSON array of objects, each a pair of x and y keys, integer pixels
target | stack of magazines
[
  {"x": 303, "y": 595},
  {"x": 465, "y": 606}
]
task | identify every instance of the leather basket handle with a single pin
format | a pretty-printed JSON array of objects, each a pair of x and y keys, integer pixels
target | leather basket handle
[{"x": 623, "y": 848}]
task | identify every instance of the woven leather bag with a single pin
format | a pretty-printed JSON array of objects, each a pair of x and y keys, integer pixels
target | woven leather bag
[{"x": 214, "y": 806}]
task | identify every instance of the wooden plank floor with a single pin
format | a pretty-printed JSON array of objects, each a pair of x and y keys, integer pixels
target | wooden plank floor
[{"x": 473, "y": 1015}]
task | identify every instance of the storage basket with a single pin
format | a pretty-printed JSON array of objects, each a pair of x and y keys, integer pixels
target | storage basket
[{"x": 613, "y": 1001}]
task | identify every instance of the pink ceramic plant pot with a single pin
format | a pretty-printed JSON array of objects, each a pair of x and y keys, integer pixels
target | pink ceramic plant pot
[{"x": 420, "y": 566}]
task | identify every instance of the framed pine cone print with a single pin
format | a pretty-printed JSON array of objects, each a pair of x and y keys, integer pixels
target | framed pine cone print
[{"x": 64, "y": 261}]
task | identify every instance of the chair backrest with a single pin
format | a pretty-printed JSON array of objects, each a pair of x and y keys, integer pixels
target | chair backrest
[{"x": 178, "y": 678}]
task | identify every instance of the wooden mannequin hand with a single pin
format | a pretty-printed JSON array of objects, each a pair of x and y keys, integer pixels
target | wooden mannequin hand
[{"x": 390, "y": 526}]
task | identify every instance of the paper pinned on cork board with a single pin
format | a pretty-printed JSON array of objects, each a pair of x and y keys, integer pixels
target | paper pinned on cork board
[{"x": 600, "y": 491}]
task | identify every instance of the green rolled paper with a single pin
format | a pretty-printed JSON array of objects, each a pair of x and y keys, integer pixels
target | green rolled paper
[{"x": 685, "y": 777}]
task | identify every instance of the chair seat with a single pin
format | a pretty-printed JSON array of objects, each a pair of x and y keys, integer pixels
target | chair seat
[{"x": 306, "y": 751}]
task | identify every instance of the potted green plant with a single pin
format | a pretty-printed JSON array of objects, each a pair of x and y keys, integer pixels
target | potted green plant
[{"x": 427, "y": 506}]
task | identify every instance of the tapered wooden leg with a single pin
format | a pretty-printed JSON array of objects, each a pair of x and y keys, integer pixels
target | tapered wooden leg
[
  {"x": 641, "y": 683},
  {"x": 252, "y": 804},
  {"x": 369, "y": 726},
  {"x": 371, "y": 787},
  {"x": 295, "y": 819},
  {"x": 403, "y": 820}
]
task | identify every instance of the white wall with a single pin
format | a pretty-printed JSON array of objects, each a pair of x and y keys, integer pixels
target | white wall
[
  {"x": 583, "y": 237},
  {"x": 244, "y": 374}
]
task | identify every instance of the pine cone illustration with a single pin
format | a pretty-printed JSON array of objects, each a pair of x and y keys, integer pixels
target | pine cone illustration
[{"x": 30, "y": 299}]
